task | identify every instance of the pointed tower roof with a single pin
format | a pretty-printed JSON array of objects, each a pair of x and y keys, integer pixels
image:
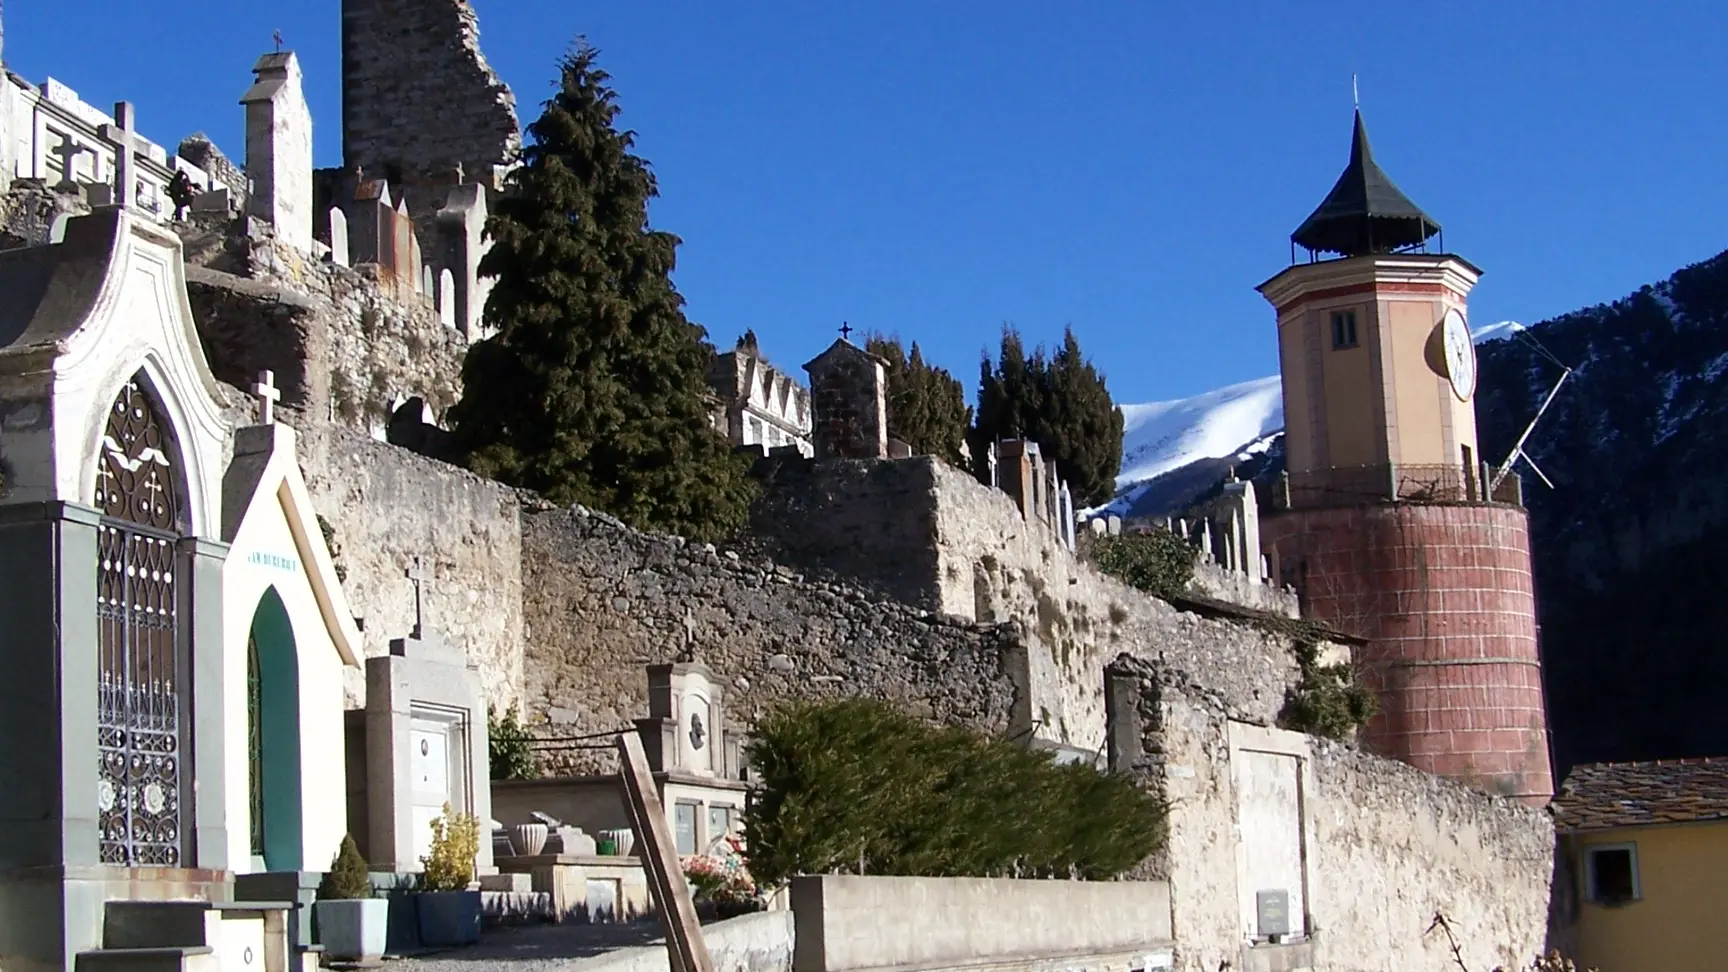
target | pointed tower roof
[{"x": 1365, "y": 212}]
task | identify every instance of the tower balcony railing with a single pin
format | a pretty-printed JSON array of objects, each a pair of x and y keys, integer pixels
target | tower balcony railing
[{"x": 1394, "y": 483}]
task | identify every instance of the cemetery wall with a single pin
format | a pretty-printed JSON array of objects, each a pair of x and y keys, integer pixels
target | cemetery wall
[
  {"x": 600, "y": 601},
  {"x": 1374, "y": 849},
  {"x": 385, "y": 506},
  {"x": 932, "y": 536},
  {"x": 342, "y": 350}
]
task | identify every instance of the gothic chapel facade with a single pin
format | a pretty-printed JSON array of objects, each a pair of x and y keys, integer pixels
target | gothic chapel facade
[{"x": 174, "y": 633}]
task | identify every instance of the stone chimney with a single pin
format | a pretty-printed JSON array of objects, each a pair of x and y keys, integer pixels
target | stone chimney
[{"x": 849, "y": 403}]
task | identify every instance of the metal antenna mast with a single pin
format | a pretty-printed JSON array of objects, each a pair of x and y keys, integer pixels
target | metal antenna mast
[{"x": 1518, "y": 450}]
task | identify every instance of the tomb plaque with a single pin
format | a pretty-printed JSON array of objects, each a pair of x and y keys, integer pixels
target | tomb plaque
[{"x": 1272, "y": 913}]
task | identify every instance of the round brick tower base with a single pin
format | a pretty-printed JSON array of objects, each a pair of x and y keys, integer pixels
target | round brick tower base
[{"x": 1443, "y": 596}]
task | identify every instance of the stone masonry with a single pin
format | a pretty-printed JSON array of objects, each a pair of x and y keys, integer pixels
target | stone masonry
[
  {"x": 602, "y": 600},
  {"x": 849, "y": 403},
  {"x": 419, "y": 99}
]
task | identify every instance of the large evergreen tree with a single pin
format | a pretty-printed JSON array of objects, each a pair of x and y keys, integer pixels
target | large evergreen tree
[
  {"x": 1059, "y": 401},
  {"x": 927, "y": 407},
  {"x": 593, "y": 389}
]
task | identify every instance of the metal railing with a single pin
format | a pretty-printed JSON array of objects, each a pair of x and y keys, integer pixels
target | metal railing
[{"x": 1393, "y": 483}]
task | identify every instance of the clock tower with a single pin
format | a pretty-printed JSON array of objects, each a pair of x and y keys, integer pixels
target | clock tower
[{"x": 1383, "y": 519}]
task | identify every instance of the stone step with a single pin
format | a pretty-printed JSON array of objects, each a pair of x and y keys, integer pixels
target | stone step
[
  {"x": 197, "y": 958},
  {"x": 175, "y": 924}
]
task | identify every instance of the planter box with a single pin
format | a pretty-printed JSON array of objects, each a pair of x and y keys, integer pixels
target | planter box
[
  {"x": 448, "y": 917},
  {"x": 353, "y": 930}
]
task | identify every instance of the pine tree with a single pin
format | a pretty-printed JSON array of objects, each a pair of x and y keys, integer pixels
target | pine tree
[
  {"x": 593, "y": 389},
  {"x": 1059, "y": 401},
  {"x": 927, "y": 407}
]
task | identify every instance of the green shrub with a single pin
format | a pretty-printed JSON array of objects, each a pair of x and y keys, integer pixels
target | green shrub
[
  {"x": 1327, "y": 700},
  {"x": 348, "y": 876},
  {"x": 509, "y": 747},
  {"x": 858, "y": 785},
  {"x": 1158, "y": 562}
]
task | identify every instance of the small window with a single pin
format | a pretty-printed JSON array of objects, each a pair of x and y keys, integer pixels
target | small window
[
  {"x": 1611, "y": 873},
  {"x": 1343, "y": 329},
  {"x": 684, "y": 827}
]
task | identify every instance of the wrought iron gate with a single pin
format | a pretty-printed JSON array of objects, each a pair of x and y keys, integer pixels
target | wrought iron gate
[{"x": 141, "y": 702}]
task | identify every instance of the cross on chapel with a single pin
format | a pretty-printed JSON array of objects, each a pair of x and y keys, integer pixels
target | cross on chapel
[
  {"x": 268, "y": 395},
  {"x": 845, "y": 331},
  {"x": 125, "y": 140},
  {"x": 418, "y": 574}
]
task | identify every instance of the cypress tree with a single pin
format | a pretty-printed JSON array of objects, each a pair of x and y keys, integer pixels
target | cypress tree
[
  {"x": 927, "y": 407},
  {"x": 1059, "y": 401},
  {"x": 593, "y": 390}
]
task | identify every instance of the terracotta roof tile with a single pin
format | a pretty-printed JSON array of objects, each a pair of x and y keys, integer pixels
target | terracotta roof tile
[{"x": 1599, "y": 796}]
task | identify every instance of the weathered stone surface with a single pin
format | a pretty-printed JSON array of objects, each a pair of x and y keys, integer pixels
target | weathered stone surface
[
  {"x": 932, "y": 536},
  {"x": 419, "y": 98},
  {"x": 602, "y": 600},
  {"x": 386, "y": 506}
]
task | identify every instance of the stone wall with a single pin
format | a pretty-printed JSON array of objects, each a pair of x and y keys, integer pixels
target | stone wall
[
  {"x": 1381, "y": 848},
  {"x": 342, "y": 351},
  {"x": 419, "y": 98},
  {"x": 601, "y": 601},
  {"x": 385, "y": 506},
  {"x": 933, "y": 537}
]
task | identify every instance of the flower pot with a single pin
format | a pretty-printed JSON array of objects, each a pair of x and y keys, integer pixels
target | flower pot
[
  {"x": 448, "y": 917},
  {"x": 529, "y": 839},
  {"x": 623, "y": 840},
  {"x": 353, "y": 930}
]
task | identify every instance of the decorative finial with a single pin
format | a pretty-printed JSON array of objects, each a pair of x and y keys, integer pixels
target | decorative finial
[
  {"x": 845, "y": 331},
  {"x": 1355, "y": 92},
  {"x": 276, "y": 35}
]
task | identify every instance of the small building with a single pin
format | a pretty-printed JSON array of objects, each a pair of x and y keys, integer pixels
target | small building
[
  {"x": 759, "y": 405},
  {"x": 1648, "y": 845}
]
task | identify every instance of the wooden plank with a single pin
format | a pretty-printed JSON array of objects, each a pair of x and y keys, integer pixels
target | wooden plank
[{"x": 686, "y": 950}]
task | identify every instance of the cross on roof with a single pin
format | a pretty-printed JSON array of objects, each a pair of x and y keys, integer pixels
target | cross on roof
[
  {"x": 276, "y": 35},
  {"x": 126, "y": 142},
  {"x": 268, "y": 395},
  {"x": 845, "y": 331},
  {"x": 417, "y": 573}
]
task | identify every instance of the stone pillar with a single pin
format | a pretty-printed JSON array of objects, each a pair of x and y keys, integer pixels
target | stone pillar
[
  {"x": 849, "y": 399},
  {"x": 1015, "y": 471},
  {"x": 279, "y": 149},
  {"x": 201, "y": 598},
  {"x": 462, "y": 222}
]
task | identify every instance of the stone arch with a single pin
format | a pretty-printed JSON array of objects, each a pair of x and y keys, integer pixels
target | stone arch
[{"x": 273, "y": 737}]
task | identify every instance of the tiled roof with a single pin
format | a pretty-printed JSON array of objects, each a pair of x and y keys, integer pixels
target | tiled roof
[{"x": 1603, "y": 795}]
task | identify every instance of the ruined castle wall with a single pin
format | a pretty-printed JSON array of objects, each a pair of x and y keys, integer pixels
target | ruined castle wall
[
  {"x": 385, "y": 506},
  {"x": 932, "y": 536},
  {"x": 1374, "y": 848},
  {"x": 419, "y": 98},
  {"x": 342, "y": 351},
  {"x": 602, "y": 601}
]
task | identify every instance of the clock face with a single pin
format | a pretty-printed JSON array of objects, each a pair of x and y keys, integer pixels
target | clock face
[{"x": 1460, "y": 354}]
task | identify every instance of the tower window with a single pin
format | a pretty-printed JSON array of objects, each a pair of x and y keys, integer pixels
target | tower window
[
  {"x": 1343, "y": 329},
  {"x": 1611, "y": 873}
]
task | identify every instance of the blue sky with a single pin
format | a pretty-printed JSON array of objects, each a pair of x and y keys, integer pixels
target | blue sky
[{"x": 1133, "y": 169}]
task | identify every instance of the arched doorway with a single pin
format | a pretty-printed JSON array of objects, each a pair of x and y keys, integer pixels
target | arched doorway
[
  {"x": 273, "y": 738},
  {"x": 143, "y": 719}
]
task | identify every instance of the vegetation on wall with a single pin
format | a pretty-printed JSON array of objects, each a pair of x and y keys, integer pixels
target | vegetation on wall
[
  {"x": 927, "y": 407},
  {"x": 1158, "y": 562},
  {"x": 1059, "y": 400},
  {"x": 859, "y": 786},
  {"x": 1327, "y": 700},
  {"x": 510, "y": 746},
  {"x": 594, "y": 389}
]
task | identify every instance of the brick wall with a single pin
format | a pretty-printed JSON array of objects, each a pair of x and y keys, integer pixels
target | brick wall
[{"x": 1444, "y": 595}]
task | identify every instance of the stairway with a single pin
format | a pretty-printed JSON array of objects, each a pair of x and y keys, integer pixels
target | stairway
[{"x": 191, "y": 936}]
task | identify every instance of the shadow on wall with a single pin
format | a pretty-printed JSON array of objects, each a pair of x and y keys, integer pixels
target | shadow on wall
[{"x": 412, "y": 427}]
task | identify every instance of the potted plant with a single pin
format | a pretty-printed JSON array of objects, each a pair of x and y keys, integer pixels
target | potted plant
[
  {"x": 721, "y": 883},
  {"x": 449, "y": 913},
  {"x": 351, "y": 922}
]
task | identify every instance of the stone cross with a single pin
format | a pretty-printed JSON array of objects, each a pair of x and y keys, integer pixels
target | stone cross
[
  {"x": 845, "y": 331},
  {"x": 418, "y": 575},
  {"x": 125, "y": 140},
  {"x": 268, "y": 395}
]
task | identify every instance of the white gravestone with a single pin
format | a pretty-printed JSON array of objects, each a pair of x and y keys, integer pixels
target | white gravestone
[
  {"x": 279, "y": 149},
  {"x": 338, "y": 237}
]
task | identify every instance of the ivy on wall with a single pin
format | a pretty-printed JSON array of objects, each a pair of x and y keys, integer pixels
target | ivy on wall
[
  {"x": 1327, "y": 700},
  {"x": 1158, "y": 562}
]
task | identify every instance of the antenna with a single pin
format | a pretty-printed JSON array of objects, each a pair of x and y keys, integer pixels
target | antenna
[{"x": 1518, "y": 450}]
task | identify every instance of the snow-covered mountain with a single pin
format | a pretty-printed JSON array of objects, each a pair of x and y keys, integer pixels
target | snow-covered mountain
[{"x": 1232, "y": 424}]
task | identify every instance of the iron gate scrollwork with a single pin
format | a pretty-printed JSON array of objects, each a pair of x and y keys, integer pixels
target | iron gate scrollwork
[{"x": 141, "y": 703}]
